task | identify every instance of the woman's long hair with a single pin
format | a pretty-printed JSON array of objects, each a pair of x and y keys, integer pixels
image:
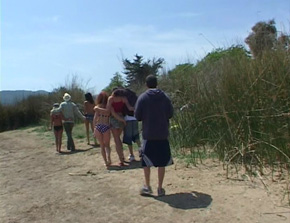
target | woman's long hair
[
  {"x": 119, "y": 92},
  {"x": 89, "y": 98},
  {"x": 102, "y": 98}
]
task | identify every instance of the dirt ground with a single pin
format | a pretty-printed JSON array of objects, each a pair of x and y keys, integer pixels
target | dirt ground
[{"x": 38, "y": 185}]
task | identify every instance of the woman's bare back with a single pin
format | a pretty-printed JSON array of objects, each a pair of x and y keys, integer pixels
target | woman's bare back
[{"x": 89, "y": 108}]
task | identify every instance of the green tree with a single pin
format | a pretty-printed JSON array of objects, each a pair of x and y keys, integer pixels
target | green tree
[
  {"x": 137, "y": 70},
  {"x": 234, "y": 52},
  {"x": 283, "y": 41},
  {"x": 116, "y": 81},
  {"x": 263, "y": 37}
]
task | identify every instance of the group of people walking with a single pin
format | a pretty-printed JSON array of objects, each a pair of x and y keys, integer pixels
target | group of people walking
[
  {"x": 117, "y": 113},
  {"x": 63, "y": 116}
]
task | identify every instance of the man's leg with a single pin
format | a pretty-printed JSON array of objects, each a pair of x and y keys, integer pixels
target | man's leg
[
  {"x": 68, "y": 129},
  {"x": 71, "y": 138},
  {"x": 146, "y": 189},
  {"x": 147, "y": 176},
  {"x": 131, "y": 153},
  {"x": 161, "y": 174},
  {"x": 130, "y": 147}
]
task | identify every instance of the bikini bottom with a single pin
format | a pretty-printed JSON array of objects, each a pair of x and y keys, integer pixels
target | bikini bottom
[
  {"x": 57, "y": 128},
  {"x": 102, "y": 128}
]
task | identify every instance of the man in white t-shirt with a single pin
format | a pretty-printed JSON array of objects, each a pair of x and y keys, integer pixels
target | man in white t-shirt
[{"x": 131, "y": 130}]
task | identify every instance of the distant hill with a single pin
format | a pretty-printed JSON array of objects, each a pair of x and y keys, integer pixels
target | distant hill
[{"x": 12, "y": 97}]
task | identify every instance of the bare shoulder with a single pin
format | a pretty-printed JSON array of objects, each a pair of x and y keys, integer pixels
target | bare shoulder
[
  {"x": 110, "y": 98},
  {"x": 101, "y": 110}
]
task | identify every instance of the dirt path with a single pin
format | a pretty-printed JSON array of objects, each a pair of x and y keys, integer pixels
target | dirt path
[{"x": 39, "y": 186}]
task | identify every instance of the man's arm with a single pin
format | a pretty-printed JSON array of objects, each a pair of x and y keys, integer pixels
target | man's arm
[
  {"x": 130, "y": 108},
  {"x": 59, "y": 109},
  {"x": 138, "y": 109},
  {"x": 78, "y": 113},
  {"x": 170, "y": 109}
]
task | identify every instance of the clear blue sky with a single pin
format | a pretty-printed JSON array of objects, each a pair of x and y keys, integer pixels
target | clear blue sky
[{"x": 44, "y": 42}]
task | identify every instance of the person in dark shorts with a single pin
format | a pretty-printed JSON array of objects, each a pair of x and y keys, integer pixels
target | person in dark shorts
[
  {"x": 154, "y": 109},
  {"x": 56, "y": 123},
  {"x": 131, "y": 129}
]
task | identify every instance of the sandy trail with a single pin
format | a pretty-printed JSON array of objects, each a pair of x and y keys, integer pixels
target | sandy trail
[{"x": 39, "y": 186}]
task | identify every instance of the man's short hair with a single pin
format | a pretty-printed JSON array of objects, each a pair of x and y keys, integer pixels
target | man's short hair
[{"x": 151, "y": 81}]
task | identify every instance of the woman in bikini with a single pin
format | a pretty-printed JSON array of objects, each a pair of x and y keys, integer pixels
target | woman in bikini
[
  {"x": 56, "y": 118},
  {"x": 89, "y": 105},
  {"x": 115, "y": 105},
  {"x": 102, "y": 126}
]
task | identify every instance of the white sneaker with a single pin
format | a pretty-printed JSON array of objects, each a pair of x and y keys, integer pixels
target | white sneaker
[
  {"x": 146, "y": 191},
  {"x": 131, "y": 158}
]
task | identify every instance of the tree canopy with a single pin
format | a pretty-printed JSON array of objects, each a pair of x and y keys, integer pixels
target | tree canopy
[
  {"x": 116, "y": 81},
  {"x": 137, "y": 70},
  {"x": 264, "y": 36}
]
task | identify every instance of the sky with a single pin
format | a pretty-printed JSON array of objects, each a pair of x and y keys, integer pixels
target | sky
[{"x": 44, "y": 43}]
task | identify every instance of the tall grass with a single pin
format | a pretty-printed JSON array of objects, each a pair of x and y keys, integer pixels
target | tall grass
[{"x": 234, "y": 104}]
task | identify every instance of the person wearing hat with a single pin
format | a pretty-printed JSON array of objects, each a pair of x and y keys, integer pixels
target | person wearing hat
[
  {"x": 69, "y": 111},
  {"x": 56, "y": 123}
]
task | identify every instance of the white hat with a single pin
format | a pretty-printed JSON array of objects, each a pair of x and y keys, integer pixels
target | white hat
[{"x": 66, "y": 97}]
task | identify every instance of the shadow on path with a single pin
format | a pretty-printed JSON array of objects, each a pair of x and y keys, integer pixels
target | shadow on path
[
  {"x": 128, "y": 166},
  {"x": 68, "y": 152},
  {"x": 186, "y": 200}
]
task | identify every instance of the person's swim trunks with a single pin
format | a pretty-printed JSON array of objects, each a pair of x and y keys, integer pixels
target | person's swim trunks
[
  {"x": 156, "y": 153},
  {"x": 131, "y": 132}
]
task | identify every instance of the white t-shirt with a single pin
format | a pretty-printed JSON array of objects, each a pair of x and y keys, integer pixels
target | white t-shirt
[{"x": 129, "y": 118}]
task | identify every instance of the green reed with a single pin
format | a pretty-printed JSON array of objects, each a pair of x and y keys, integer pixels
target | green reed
[{"x": 235, "y": 105}]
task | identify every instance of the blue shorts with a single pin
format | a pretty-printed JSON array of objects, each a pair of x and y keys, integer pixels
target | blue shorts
[
  {"x": 89, "y": 117},
  {"x": 156, "y": 153},
  {"x": 131, "y": 132}
]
